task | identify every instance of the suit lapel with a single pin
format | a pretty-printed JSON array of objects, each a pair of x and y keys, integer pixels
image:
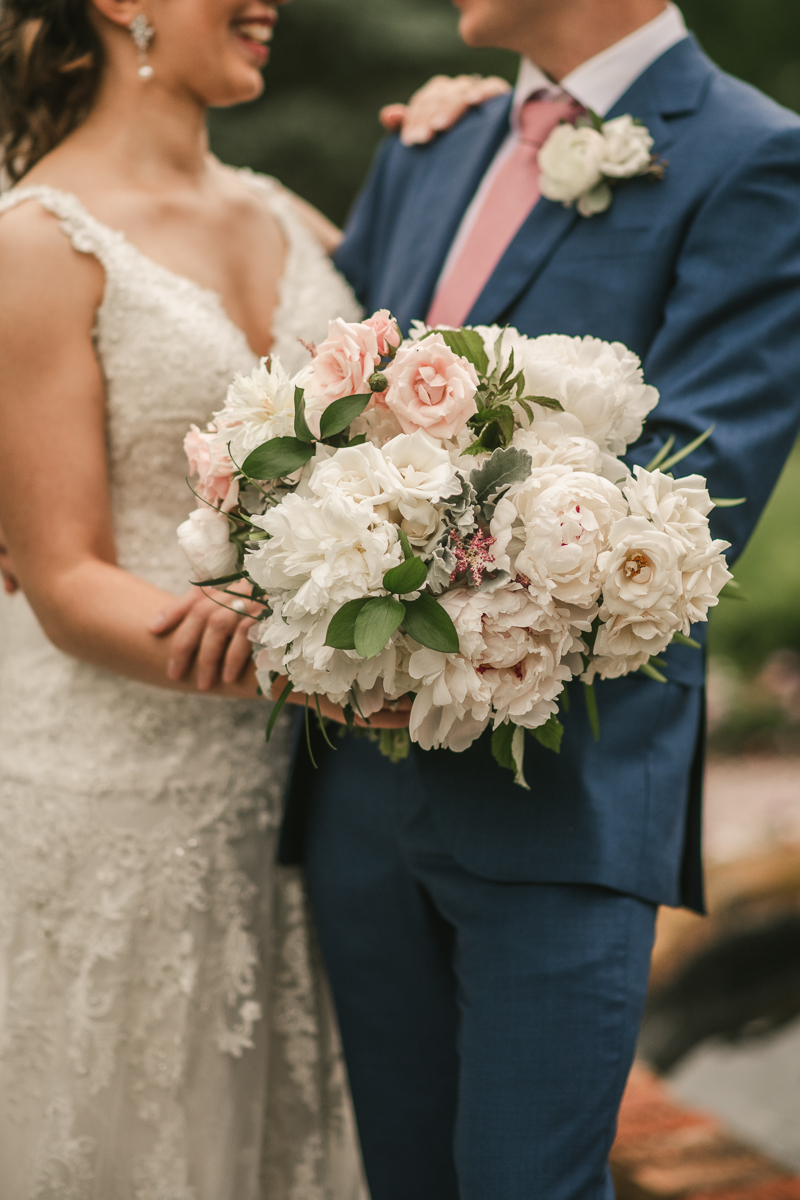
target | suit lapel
[
  {"x": 453, "y": 169},
  {"x": 671, "y": 86}
]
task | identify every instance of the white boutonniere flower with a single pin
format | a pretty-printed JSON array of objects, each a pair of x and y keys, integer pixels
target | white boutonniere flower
[{"x": 579, "y": 164}]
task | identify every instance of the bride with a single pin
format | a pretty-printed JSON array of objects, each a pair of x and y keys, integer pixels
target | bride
[{"x": 164, "y": 1028}]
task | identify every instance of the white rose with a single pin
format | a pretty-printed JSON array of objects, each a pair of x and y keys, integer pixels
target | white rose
[
  {"x": 642, "y": 589},
  {"x": 548, "y": 445},
  {"x": 205, "y": 540},
  {"x": 569, "y": 162},
  {"x": 323, "y": 551},
  {"x": 423, "y": 465},
  {"x": 258, "y": 407},
  {"x": 628, "y": 148},
  {"x": 361, "y": 472}
]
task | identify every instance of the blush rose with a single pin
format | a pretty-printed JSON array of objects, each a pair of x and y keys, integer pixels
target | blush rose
[{"x": 432, "y": 389}]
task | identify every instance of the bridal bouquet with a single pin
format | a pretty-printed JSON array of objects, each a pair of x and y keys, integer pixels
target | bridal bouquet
[{"x": 447, "y": 517}]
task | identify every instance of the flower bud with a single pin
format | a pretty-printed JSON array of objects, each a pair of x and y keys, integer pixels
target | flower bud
[{"x": 378, "y": 382}]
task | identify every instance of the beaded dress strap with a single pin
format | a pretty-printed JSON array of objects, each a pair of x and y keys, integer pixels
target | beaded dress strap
[{"x": 84, "y": 231}]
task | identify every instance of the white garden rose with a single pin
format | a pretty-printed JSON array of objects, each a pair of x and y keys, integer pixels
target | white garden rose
[
  {"x": 205, "y": 540},
  {"x": 569, "y": 162},
  {"x": 599, "y": 383},
  {"x": 424, "y": 466},
  {"x": 628, "y": 148},
  {"x": 548, "y": 445},
  {"x": 361, "y": 472},
  {"x": 323, "y": 552},
  {"x": 642, "y": 589},
  {"x": 258, "y": 407}
]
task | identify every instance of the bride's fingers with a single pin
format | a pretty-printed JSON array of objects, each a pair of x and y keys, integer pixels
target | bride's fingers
[
  {"x": 219, "y": 629},
  {"x": 443, "y": 101},
  {"x": 186, "y": 639},
  {"x": 10, "y": 583},
  {"x": 392, "y": 116},
  {"x": 239, "y": 652},
  {"x": 174, "y": 613}
]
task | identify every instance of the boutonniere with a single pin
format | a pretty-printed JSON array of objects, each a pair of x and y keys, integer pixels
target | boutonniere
[{"x": 580, "y": 163}]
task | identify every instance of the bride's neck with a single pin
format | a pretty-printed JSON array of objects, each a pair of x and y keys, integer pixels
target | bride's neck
[{"x": 147, "y": 135}]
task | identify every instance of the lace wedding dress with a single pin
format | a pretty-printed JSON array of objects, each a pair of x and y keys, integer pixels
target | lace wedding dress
[{"x": 165, "y": 1030}]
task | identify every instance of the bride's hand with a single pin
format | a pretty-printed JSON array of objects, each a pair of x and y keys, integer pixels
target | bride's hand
[
  {"x": 439, "y": 104},
  {"x": 395, "y": 716},
  {"x": 10, "y": 582},
  {"x": 207, "y": 630}
]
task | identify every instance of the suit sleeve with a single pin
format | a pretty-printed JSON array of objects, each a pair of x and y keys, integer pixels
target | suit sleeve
[{"x": 728, "y": 351}]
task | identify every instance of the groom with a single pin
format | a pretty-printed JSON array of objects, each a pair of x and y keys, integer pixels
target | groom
[{"x": 489, "y": 948}]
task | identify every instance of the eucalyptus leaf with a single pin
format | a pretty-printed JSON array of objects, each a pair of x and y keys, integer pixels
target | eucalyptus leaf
[
  {"x": 427, "y": 623},
  {"x": 376, "y": 623},
  {"x": 408, "y": 577},
  {"x": 279, "y": 703},
  {"x": 658, "y": 458},
  {"x": 683, "y": 640},
  {"x": 679, "y": 455},
  {"x": 724, "y": 502},
  {"x": 300, "y": 426},
  {"x": 650, "y": 671},
  {"x": 341, "y": 632},
  {"x": 507, "y": 465},
  {"x": 467, "y": 344},
  {"x": 277, "y": 458},
  {"x": 223, "y": 579},
  {"x": 341, "y": 413}
]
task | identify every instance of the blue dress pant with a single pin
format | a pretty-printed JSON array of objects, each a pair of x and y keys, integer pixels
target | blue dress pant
[{"x": 488, "y": 1027}]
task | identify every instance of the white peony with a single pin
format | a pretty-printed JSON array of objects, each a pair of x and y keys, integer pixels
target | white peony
[
  {"x": 599, "y": 383},
  {"x": 554, "y": 527},
  {"x": 205, "y": 540},
  {"x": 258, "y": 407},
  {"x": 628, "y": 148},
  {"x": 452, "y": 706},
  {"x": 323, "y": 552}
]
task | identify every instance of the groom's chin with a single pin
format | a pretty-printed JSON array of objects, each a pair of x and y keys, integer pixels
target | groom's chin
[{"x": 486, "y": 23}]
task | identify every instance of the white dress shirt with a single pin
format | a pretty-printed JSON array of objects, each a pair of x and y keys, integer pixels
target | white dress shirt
[{"x": 597, "y": 83}]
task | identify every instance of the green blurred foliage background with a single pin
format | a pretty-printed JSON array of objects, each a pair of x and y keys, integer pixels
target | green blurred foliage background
[{"x": 335, "y": 62}]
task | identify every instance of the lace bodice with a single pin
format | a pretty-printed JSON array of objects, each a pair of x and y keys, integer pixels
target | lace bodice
[{"x": 136, "y": 825}]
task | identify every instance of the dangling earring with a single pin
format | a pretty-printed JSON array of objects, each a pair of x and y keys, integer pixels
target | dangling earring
[{"x": 142, "y": 34}]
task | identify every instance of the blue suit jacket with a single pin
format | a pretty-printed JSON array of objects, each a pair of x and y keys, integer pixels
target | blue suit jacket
[{"x": 700, "y": 275}]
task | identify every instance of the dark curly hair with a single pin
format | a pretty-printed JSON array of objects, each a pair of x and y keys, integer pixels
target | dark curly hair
[{"x": 51, "y": 60}]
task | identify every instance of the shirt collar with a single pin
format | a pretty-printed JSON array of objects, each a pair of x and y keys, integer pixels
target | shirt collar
[{"x": 599, "y": 82}]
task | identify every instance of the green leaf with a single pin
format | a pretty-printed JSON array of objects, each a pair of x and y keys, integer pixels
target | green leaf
[
  {"x": 279, "y": 703},
  {"x": 649, "y": 670},
  {"x": 544, "y": 402},
  {"x": 505, "y": 419},
  {"x": 342, "y": 625},
  {"x": 408, "y": 577},
  {"x": 591, "y": 710},
  {"x": 501, "y": 745},
  {"x": 308, "y": 740},
  {"x": 322, "y": 721},
  {"x": 468, "y": 344},
  {"x": 376, "y": 623},
  {"x": 550, "y": 734},
  {"x": 724, "y": 503},
  {"x": 686, "y": 451},
  {"x": 338, "y": 416},
  {"x": 395, "y": 744},
  {"x": 300, "y": 427},
  {"x": 506, "y": 466},
  {"x": 733, "y": 591},
  {"x": 359, "y": 440},
  {"x": 475, "y": 449},
  {"x": 428, "y": 623},
  {"x": 277, "y": 458},
  {"x": 658, "y": 458},
  {"x": 683, "y": 640},
  {"x": 518, "y": 755},
  {"x": 223, "y": 579},
  {"x": 404, "y": 542}
]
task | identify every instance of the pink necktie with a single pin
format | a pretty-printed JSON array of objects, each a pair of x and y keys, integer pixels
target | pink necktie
[{"x": 511, "y": 197}]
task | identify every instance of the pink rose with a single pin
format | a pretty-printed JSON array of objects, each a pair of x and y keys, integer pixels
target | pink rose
[
  {"x": 431, "y": 388},
  {"x": 344, "y": 363},
  {"x": 209, "y": 461},
  {"x": 386, "y": 331}
]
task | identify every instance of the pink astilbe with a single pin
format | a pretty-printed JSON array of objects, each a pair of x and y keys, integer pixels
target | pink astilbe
[{"x": 472, "y": 556}]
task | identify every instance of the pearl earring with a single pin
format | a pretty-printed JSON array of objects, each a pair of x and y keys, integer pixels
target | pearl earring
[{"x": 142, "y": 33}]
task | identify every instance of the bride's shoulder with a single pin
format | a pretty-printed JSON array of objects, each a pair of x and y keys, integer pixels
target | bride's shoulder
[
  {"x": 34, "y": 253},
  {"x": 286, "y": 204}
]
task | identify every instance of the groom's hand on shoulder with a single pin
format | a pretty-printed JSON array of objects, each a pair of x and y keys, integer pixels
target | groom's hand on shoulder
[{"x": 439, "y": 105}]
